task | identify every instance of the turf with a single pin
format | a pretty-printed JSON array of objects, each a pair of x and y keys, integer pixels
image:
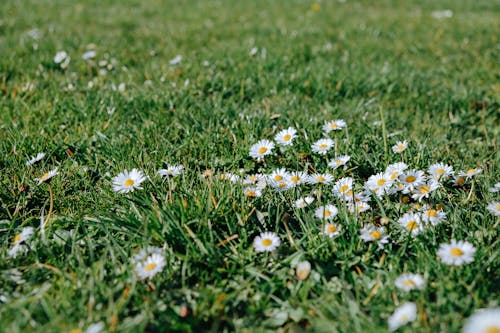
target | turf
[{"x": 390, "y": 69}]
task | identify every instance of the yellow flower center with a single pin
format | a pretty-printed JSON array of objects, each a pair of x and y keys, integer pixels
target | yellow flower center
[
  {"x": 320, "y": 179},
  {"x": 381, "y": 182},
  {"x": 460, "y": 180},
  {"x": 401, "y": 147},
  {"x": 45, "y": 176},
  {"x": 150, "y": 267},
  {"x": 411, "y": 225},
  {"x": 278, "y": 178},
  {"x": 251, "y": 193},
  {"x": 267, "y": 242},
  {"x": 394, "y": 175},
  {"x": 432, "y": 213},
  {"x": 253, "y": 178},
  {"x": 492, "y": 329},
  {"x": 333, "y": 125},
  {"x": 262, "y": 150},
  {"x": 424, "y": 189},
  {"x": 282, "y": 185},
  {"x": 456, "y": 252},
  {"x": 409, "y": 282},
  {"x": 338, "y": 162},
  {"x": 375, "y": 234},
  {"x": 344, "y": 188},
  {"x": 497, "y": 207},
  {"x": 323, "y": 146},
  {"x": 17, "y": 238},
  {"x": 326, "y": 213},
  {"x": 287, "y": 137},
  {"x": 295, "y": 179},
  {"x": 440, "y": 171},
  {"x": 331, "y": 228},
  {"x": 410, "y": 179},
  {"x": 75, "y": 330},
  {"x": 470, "y": 172},
  {"x": 129, "y": 182}
]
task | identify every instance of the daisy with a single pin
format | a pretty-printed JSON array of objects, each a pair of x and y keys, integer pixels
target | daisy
[
  {"x": 145, "y": 252},
  {"x": 172, "y": 170},
  {"x": 279, "y": 175},
  {"x": 303, "y": 202},
  {"x": 371, "y": 233},
  {"x": 358, "y": 207},
  {"x": 494, "y": 208},
  {"x": 128, "y": 181},
  {"x": 470, "y": 173},
  {"x": 253, "y": 179},
  {"x": 433, "y": 216},
  {"x": 19, "y": 240},
  {"x": 35, "y": 159},
  {"x": 331, "y": 230},
  {"x": 459, "y": 181},
  {"x": 440, "y": 171},
  {"x": 424, "y": 190},
  {"x": 266, "y": 241},
  {"x": 322, "y": 146},
  {"x": 409, "y": 281},
  {"x": 285, "y": 137},
  {"x": 483, "y": 321},
  {"x": 327, "y": 212},
  {"x": 395, "y": 170},
  {"x": 456, "y": 253},
  {"x": 298, "y": 177},
  {"x": 334, "y": 125},
  {"x": 343, "y": 188},
  {"x": 411, "y": 180},
  {"x": 412, "y": 223},
  {"x": 339, "y": 161},
  {"x": 62, "y": 59},
  {"x": 151, "y": 266},
  {"x": 320, "y": 178},
  {"x": 231, "y": 177},
  {"x": 302, "y": 270},
  {"x": 252, "y": 192},
  {"x": 495, "y": 188},
  {"x": 403, "y": 315},
  {"x": 261, "y": 149},
  {"x": 400, "y": 147},
  {"x": 379, "y": 183},
  {"x": 282, "y": 185},
  {"x": 46, "y": 176}
]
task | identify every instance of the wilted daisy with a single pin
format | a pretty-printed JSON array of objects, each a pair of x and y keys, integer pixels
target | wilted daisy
[
  {"x": 379, "y": 183},
  {"x": 172, "y": 170},
  {"x": 266, "y": 241},
  {"x": 371, "y": 233},
  {"x": 409, "y": 281},
  {"x": 128, "y": 181},
  {"x": 331, "y": 230},
  {"x": 320, "y": 178},
  {"x": 334, "y": 125},
  {"x": 252, "y": 191},
  {"x": 456, "y": 253},
  {"x": 433, "y": 216},
  {"x": 322, "y": 146},
  {"x": 302, "y": 270},
  {"x": 440, "y": 171},
  {"x": 261, "y": 149},
  {"x": 35, "y": 159},
  {"x": 151, "y": 266},
  {"x": 424, "y": 190},
  {"x": 470, "y": 172},
  {"x": 403, "y": 315},
  {"x": 400, "y": 147},
  {"x": 19, "y": 240},
  {"x": 339, "y": 161},
  {"x": 303, "y": 202},
  {"x": 483, "y": 321},
  {"x": 47, "y": 176},
  {"x": 343, "y": 188},
  {"x": 411, "y": 180},
  {"x": 494, "y": 208},
  {"x": 286, "y": 136},
  {"x": 327, "y": 212},
  {"x": 412, "y": 223}
]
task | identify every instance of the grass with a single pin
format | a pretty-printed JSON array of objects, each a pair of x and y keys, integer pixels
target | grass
[{"x": 389, "y": 68}]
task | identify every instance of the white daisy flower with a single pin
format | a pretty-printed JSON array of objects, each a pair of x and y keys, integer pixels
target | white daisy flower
[
  {"x": 35, "y": 159},
  {"x": 494, "y": 208},
  {"x": 331, "y": 230},
  {"x": 456, "y": 253},
  {"x": 282, "y": 185},
  {"x": 62, "y": 59},
  {"x": 411, "y": 180},
  {"x": 483, "y": 321},
  {"x": 424, "y": 190},
  {"x": 459, "y": 181},
  {"x": 409, "y": 281},
  {"x": 303, "y": 202},
  {"x": 266, "y": 241},
  {"x": 145, "y": 252},
  {"x": 298, "y": 177},
  {"x": 261, "y": 149},
  {"x": 412, "y": 223},
  {"x": 470, "y": 172},
  {"x": 433, "y": 216},
  {"x": 172, "y": 170},
  {"x": 403, "y": 315},
  {"x": 231, "y": 177},
  {"x": 379, "y": 183},
  {"x": 151, "y": 266},
  {"x": 128, "y": 181},
  {"x": 47, "y": 176},
  {"x": 320, "y": 178},
  {"x": 327, "y": 212},
  {"x": 254, "y": 179},
  {"x": 395, "y": 170},
  {"x": 285, "y": 137},
  {"x": 89, "y": 55},
  {"x": 16, "y": 250},
  {"x": 279, "y": 175},
  {"x": 322, "y": 146},
  {"x": 252, "y": 192},
  {"x": 95, "y": 328},
  {"x": 440, "y": 171},
  {"x": 302, "y": 270},
  {"x": 358, "y": 207},
  {"x": 342, "y": 188},
  {"x": 400, "y": 147},
  {"x": 371, "y": 233},
  {"x": 495, "y": 188},
  {"x": 24, "y": 235},
  {"x": 334, "y": 125},
  {"x": 339, "y": 161}
]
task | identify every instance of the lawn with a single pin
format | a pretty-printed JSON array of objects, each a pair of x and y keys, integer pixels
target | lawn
[{"x": 165, "y": 209}]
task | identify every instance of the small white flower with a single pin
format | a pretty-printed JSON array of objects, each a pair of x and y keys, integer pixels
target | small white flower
[
  {"x": 252, "y": 192},
  {"x": 60, "y": 57},
  {"x": 285, "y": 137},
  {"x": 400, "y": 147},
  {"x": 302, "y": 270},
  {"x": 231, "y": 177},
  {"x": 35, "y": 159},
  {"x": 495, "y": 188},
  {"x": 266, "y": 241},
  {"x": 151, "y": 266},
  {"x": 320, "y": 178},
  {"x": 379, "y": 183},
  {"x": 331, "y": 230},
  {"x": 371, "y": 233},
  {"x": 89, "y": 55},
  {"x": 483, "y": 321},
  {"x": 279, "y": 175},
  {"x": 334, "y": 125},
  {"x": 172, "y": 170},
  {"x": 298, "y": 177},
  {"x": 322, "y": 146},
  {"x": 342, "y": 189},
  {"x": 47, "y": 176},
  {"x": 254, "y": 179},
  {"x": 327, "y": 212},
  {"x": 304, "y": 202},
  {"x": 261, "y": 149},
  {"x": 339, "y": 161},
  {"x": 128, "y": 181},
  {"x": 433, "y": 216},
  {"x": 456, "y": 253},
  {"x": 470, "y": 173},
  {"x": 494, "y": 208},
  {"x": 95, "y": 328},
  {"x": 411, "y": 180},
  {"x": 403, "y": 315},
  {"x": 395, "y": 170},
  {"x": 409, "y": 281},
  {"x": 176, "y": 60},
  {"x": 440, "y": 171},
  {"x": 424, "y": 190},
  {"x": 19, "y": 240},
  {"x": 358, "y": 206},
  {"x": 412, "y": 223}
]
